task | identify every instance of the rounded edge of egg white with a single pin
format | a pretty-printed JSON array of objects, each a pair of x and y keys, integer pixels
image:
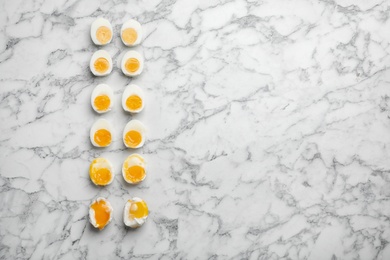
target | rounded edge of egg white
[
  {"x": 135, "y": 222},
  {"x": 111, "y": 170},
  {"x": 138, "y": 126},
  {"x": 102, "y": 89},
  {"x": 100, "y": 124},
  {"x": 100, "y": 21},
  {"x": 138, "y": 28},
  {"x": 128, "y": 55},
  {"x": 97, "y": 54},
  {"x": 139, "y": 163},
  {"x": 129, "y": 90},
  {"x": 92, "y": 218}
]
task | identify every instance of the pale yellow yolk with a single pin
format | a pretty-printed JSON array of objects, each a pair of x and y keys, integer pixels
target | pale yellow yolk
[
  {"x": 101, "y": 65},
  {"x": 102, "y": 103},
  {"x": 129, "y": 35},
  {"x": 135, "y": 173},
  {"x": 132, "y": 65},
  {"x": 102, "y": 137},
  {"x": 98, "y": 174},
  {"x": 102, "y": 213},
  {"x": 138, "y": 209},
  {"x": 134, "y": 102},
  {"x": 133, "y": 138},
  {"x": 103, "y": 34}
]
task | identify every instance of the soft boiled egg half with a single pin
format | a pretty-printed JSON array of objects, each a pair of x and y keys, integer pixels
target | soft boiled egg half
[
  {"x": 100, "y": 133},
  {"x": 132, "y": 63},
  {"x": 133, "y": 99},
  {"x": 135, "y": 213},
  {"x": 133, "y": 169},
  {"x": 131, "y": 33},
  {"x": 134, "y": 134},
  {"x": 100, "y": 213},
  {"x": 101, "y": 172},
  {"x": 101, "y": 98},
  {"x": 101, "y": 31},
  {"x": 101, "y": 63}
]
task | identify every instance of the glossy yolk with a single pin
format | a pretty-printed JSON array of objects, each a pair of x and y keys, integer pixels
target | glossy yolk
[
  {"x": 135, "y": 173},
  {"x": 133, "y": 138},
  {"x": 102, "y": 137},
  {"x": 134, "y": 102},
  {"x": 132, "y": 65},
  {"x": 99, "y": 175},
  {"x": 138, "y": 209},
  {"x": 129, "y": 35},
  {"x": 102, "y": 103},
  {"x": 102, "y": 213},
  {"x": 103, "y": 34},
  {"x": 101, "y": 65}
]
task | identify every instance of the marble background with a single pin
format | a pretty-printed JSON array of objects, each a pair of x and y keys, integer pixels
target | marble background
[{"x": 268, "y": 130}]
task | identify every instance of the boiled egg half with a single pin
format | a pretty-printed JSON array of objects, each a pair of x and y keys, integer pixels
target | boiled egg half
[
  {"x": 101, "y": 31},
  {"x": 133, "y": 99},
  {"x": 135, "y": 213},
  {"x": 102, "y": 98},
  {"x": 133, "y": 169},
  {"x": 101, "y": 63},
  {"x": 100, "y": 133},
  {"x": 101, "y": 172},
  {"x": 132, "y": 63},
  {"x": 100, "y": 213},
  {"x": 134, "y": 134},
  {"x": 131, "y": 33}
]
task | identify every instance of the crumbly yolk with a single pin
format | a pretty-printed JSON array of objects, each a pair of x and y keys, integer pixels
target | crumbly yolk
[
  {"x": 132, "y": 65},
  {"x": 129, "y": 35},
  {"x": 135, "y": 173},
  {"x": 133, "y": 138},
  {"x": 101, "y": 65},
  {"x": 133, "y": 102},
  {"x": 102, "y": 213},
  {"x": 102, "y": 137},
  {"x": 102, "y": 103},
  {"x": 103, "y": 34},
  {"x": 99, "y": 173},
  {"x": 138, "y": 209}
]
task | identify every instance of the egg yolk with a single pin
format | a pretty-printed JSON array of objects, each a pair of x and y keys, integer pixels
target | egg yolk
[
  {"x": 103, "y": 34},
  {"x": 133, "y": 138},
  {"x": 101, "y": 65},
  {"x": 102, "y": 137},
  {"x": 134, "y": 102},
  {"x": 102, "y": 103},
  {"x": 138, "y": 209},
  {"x": 98, "y": 174},
  {"x": 132, "y": 65},
  {"x": 102, "y": 213},
  {"x": 135, "y": 173},
  {"x": 129, "y": 35}
]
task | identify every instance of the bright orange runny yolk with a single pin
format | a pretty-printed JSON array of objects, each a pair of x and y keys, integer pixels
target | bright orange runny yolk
[
  {"x": 129, "y": 35},
  {"x": 102, "y": 213},
  {"x": 102, "y": 103},
  {"x": 103, "y": 34},
  {"x": 102, "y": 137},
  {"x": 133, "y": 138},
  {"x": 134, "y": 102},
  {"x": 135, "y": 173},
  {"x": 101, "y": 65},
  {"x": 99, "y": 174},
  {"x": 132, "y": 65},
  {"x": 138, "y": 209}
]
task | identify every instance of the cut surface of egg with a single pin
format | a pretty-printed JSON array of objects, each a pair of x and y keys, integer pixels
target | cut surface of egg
[
  {"x": 133, "y": 99},
  {"x": 100, "y": 213},
  {"x": 101, "y": 31},
  {"x": 101, "y": 63},
  {"x": 135, "y": 213},
  {"x": 102, "y": 98},
  {"x": 131, "y": 33},
  {"x": 133, "y": 169},
  {"x": 101, "y": 172},
  {"x": 132, "y": 63},
  {"x": 100, "y": 133},
  {"x": 134, "y": 134}
]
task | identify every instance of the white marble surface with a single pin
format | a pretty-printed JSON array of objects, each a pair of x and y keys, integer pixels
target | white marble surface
[{"x": 269, "y": 130}]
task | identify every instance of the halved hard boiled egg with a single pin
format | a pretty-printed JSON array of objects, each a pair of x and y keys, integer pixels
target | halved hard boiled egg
[
  {"x": 101, "y": 63},
  {"x": 134, "y": 134},
  {"x": 101, "y": 31},
  {"x": 133, "y": 99},
  {"x": 100, "y": 213},
  {"x": 132, "y": 63},
  {"x": 102, "y": 98},
  {"x": 131, "y": 33},
  {"x": 133, "y": 169},
  {"x": 101, "y": 172},
  {"x": 100, "y": 133},
  {"x": 135, "y": 213}
]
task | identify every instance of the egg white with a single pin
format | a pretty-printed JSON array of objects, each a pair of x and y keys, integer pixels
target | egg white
[
  {"x": 128, "y": 220},
  {"x": 133, "y": 160},
  {"x": 92, "y": 218},
  {"x": 100, "y": 124},
  {"x": 135, "y": 125},
  {"x": 95, "y": 25},
  {"x": 137, "y": 27},
  {"x": 100, "y": 54},
  {"x": 136, "y": 55},
  {"x": 99, "y": 90},
  {"x": 131, "y": 90},
  {"x": 103, "y": 163}
]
